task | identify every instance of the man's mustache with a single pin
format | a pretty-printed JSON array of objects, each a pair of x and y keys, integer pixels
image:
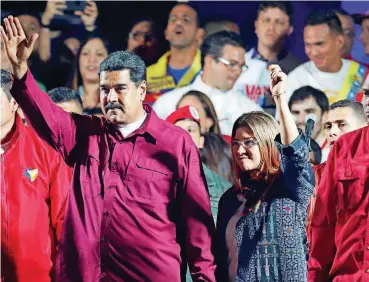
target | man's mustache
[{"x": 111, "y": 106}]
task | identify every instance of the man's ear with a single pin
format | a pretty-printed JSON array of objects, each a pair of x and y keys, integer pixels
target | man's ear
[
  {"x": 208, "y": 60},
  {"x": 255, "y": 25},
  {"x": 340, "y": 41},
  {"x": 290, "y": 30},
  {"x": 13, "y": 105},
  {"x": 142, "y": 90},
  {"x": 166, "y": 34},
  {"x": 200, "y": 36}
]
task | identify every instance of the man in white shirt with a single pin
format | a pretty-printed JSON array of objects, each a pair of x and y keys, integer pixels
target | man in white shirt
[
  {"x": 338, "y": 78},
  {"x": 223, "y": 60},
  {"x": 273, "y": 25}
]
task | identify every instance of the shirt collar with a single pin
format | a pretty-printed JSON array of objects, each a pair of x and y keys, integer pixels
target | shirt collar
[
  {"x": 13, "y": 135},
  {"x": 151, "y": 124},
  {"x": 201, "y": 86},
  {"x": 255, "y": 55}
]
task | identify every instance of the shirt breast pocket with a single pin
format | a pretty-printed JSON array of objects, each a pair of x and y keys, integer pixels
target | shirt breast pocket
[
  {"x": 350, "y": 186},
  {"x": 90, "y": 177},
  {"x": 152, "y": 181}
]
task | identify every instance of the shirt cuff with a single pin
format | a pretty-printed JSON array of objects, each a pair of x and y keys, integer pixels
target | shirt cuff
[{"x": 295, "y": 146}]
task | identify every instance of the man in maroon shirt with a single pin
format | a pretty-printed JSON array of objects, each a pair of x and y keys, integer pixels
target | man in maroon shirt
[{"x": 139, "y": 193}]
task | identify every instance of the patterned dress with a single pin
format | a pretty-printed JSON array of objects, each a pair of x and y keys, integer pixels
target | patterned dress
[{"x": 269, "y": 242}]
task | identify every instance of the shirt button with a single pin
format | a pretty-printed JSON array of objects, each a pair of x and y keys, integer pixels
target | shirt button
[
  {"x": 367, "y": 248},
  {"x": 106, "y": 213},
  {"x": 367, "y": 271}
]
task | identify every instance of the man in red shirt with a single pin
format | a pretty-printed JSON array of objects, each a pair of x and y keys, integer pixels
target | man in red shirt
[
  {"x": 34, "y": 183},
  {"x": 343, "y": 116},
  {"x": 340, "y": 228},
  {"x": 139, "y": 193},
  {"x": 339, "y": 225}
]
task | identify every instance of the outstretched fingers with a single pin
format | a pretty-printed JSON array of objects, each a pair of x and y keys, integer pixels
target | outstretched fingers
[
  {"x": 19, "y": 27},
  {"x": 13, "y": 26},
  {"x": 8, "y": 28},
  {"x": 4, "y": 36}
]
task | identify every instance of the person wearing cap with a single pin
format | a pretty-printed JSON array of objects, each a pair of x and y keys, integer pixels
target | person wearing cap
[
  {"x": 188, "y": 118},
  {"x": 363, "y": 20}
]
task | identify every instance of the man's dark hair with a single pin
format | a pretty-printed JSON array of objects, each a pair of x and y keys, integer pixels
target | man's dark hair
[
  {"x": 356, "y": 107},
  {"x": 198, "y": 18},
  {"x": 154, "y": 30},
  {"x": 305, "y": 92},
  {"x": 339, "y": 11},
  {"x": 327, "y": 17},
  {"x": 217, "y": 23},
  {"x": 6, "y": 83},
  {"x": 125, "y": 60},
  {"x": 65, "y": 94},
  {"x": 213, "y": 44},
  {"x": 284, "y": 6}
]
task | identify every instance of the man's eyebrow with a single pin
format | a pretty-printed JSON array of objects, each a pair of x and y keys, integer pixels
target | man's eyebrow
[{"x": 115, "y": 85}]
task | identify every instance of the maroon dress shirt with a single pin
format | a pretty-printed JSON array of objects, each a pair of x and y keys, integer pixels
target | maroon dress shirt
[{"x": 135, "y": 201}]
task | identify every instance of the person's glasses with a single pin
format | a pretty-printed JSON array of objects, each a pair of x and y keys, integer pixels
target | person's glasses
[
  {"x": 246, "y": 143},
  {"x": 141, "y": 34},
  {"x": 232, "y": 65}
]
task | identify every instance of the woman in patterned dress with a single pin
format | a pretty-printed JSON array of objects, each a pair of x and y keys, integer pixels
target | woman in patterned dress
[{"x": 261, "y": 220}]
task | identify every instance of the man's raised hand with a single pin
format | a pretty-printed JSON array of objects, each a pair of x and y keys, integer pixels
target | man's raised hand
[{"x": 17, "y": 47}]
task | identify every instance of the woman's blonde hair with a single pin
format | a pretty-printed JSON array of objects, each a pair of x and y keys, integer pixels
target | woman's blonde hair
[{"x": 264, "y": 128}]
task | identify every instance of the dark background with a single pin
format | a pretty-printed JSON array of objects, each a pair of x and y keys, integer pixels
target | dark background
[{"x": 115, "y": 17}]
